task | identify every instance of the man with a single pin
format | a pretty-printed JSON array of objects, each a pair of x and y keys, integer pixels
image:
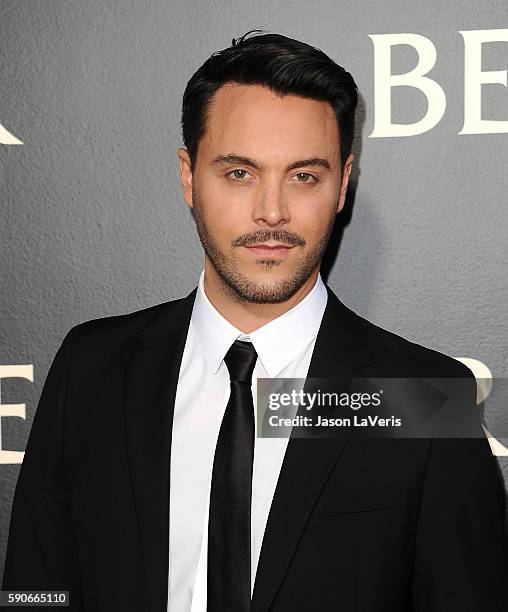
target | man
[{"x": 144, "y": 485}]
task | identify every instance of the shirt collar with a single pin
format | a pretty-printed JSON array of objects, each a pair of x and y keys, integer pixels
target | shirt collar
[{"x": 277, "y": 342}]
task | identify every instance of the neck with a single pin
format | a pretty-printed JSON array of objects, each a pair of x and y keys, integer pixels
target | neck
[{"x": 247, "y": 316}]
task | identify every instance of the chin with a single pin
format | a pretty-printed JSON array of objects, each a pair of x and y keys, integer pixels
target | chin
[
  {"x": 267, "y": 279},
  {"x": 265, "y": 288}
]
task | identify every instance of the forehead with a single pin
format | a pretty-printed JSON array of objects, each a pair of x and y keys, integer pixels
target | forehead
[{"x": 253, "y": 120}]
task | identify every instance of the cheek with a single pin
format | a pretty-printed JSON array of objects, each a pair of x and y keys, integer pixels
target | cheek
[
  {"x": 314, "y": 219},
  {"x": 228, "y": 221},
  {"x": 223, "y": 223}
]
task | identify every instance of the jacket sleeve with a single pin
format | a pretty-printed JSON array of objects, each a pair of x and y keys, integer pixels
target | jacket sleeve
[
  {"x": 41, "y": 548},
  {"x": 461, "y": 555}
]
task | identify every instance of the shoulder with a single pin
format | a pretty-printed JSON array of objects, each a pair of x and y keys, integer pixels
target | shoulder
[
  {"x": 121, "y": 327},
  {"x": 400, "y": 354},
  {"x": 97, "y": 342}
]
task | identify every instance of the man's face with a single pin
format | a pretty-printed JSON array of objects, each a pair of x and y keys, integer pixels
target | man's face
[{"x": 267, "y": 172}]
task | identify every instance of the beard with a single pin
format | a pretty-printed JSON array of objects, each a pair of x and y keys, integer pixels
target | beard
[{"x": 241, "y": 288}]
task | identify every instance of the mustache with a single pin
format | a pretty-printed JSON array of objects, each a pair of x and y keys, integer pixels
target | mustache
[{"x": 265, "y": 235}]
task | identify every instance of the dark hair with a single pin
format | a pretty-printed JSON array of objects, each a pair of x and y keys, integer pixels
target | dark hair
[{"x": 286, "y": 66}]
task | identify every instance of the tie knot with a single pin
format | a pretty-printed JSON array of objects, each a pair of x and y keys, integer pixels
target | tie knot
[{"x": 240, "y": 361}]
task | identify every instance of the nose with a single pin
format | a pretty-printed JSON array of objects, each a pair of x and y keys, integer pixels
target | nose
[{"x": 270, "y": 205}]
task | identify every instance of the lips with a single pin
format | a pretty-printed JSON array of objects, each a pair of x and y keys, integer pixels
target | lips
[{"x": 275, "y": 249}]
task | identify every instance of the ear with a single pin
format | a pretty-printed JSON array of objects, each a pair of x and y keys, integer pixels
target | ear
[
  {"x": 185, "y": 175},
  {"x": 346, "y": 173}
]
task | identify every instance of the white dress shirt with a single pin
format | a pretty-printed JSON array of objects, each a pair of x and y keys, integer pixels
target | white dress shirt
[{"x": 284, "y": 347}]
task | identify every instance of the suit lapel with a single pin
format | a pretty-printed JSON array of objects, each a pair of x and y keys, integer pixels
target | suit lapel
[
  {"x": 151, "y": 377},
  {"x": 340, "y": 351}
]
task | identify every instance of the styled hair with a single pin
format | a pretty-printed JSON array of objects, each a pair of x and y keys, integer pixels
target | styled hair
[{"x": 284, "y": 65}]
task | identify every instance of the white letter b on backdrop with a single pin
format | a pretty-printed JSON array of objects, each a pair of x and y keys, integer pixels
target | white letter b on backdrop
[{"x": 384, "y": 80}]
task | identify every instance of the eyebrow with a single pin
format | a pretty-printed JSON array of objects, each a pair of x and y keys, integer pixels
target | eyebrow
[{"x": 232, "y": 158}]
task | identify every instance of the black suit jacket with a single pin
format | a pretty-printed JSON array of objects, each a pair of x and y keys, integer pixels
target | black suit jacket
[{"x": 356, "y": 525}]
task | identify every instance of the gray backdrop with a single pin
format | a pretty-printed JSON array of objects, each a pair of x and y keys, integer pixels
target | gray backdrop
[{"x": 92, "y": 219}]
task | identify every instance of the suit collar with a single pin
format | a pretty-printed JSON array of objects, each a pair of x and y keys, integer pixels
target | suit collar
[
  {"x": 341, "y": 338},
  {"x": 172, "y": 317}
]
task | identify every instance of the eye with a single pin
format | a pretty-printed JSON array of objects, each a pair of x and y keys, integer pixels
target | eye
[
  {"x": 238, "y": 174},
  {"x": 303, "y": 177}
]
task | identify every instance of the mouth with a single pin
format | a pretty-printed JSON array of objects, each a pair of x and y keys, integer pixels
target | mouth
[{"x": 272, "y": 249}]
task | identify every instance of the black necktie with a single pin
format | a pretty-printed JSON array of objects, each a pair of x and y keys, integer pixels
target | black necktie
[{"x": 229, "y": 519}]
